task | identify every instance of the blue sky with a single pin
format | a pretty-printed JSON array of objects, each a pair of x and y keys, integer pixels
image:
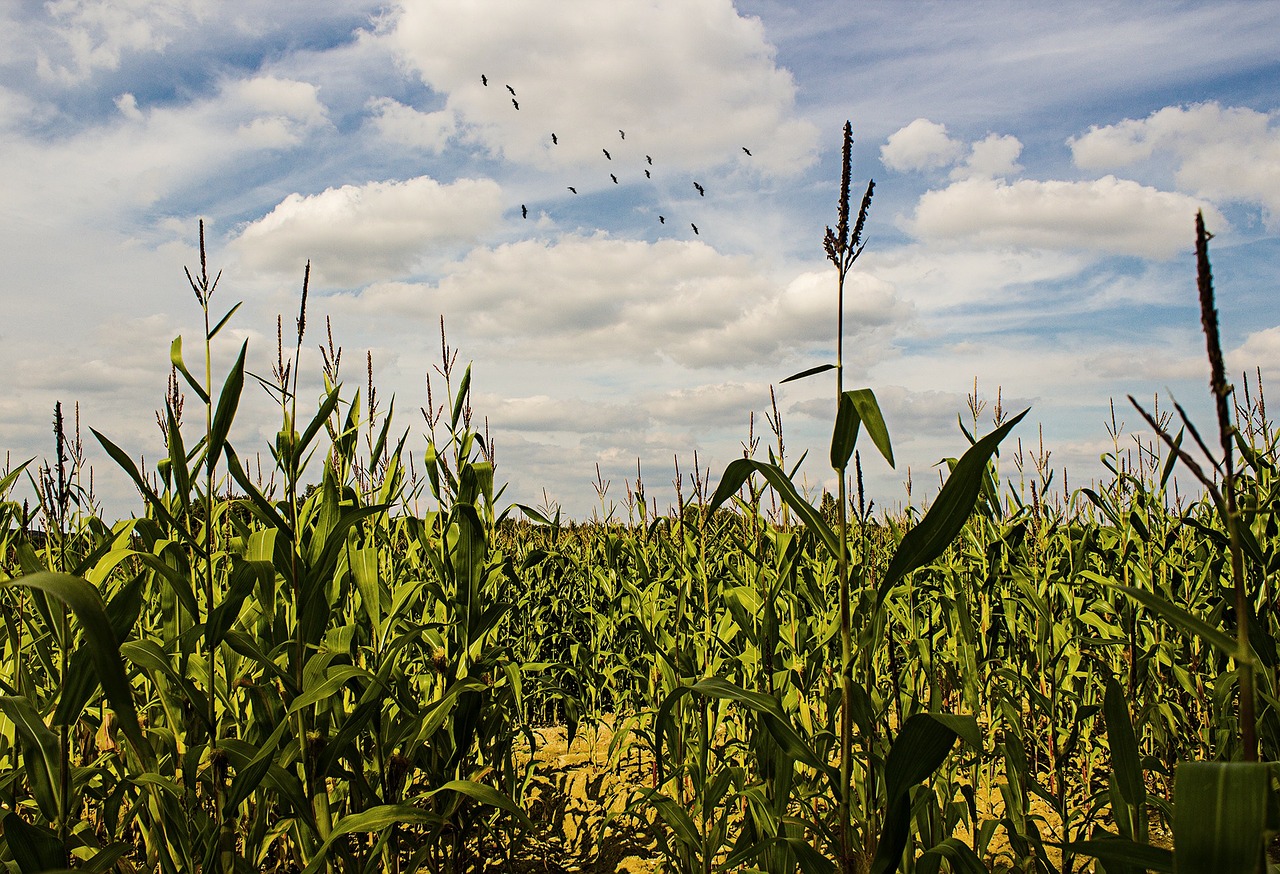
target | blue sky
[{"x": 1037, "y": 173}]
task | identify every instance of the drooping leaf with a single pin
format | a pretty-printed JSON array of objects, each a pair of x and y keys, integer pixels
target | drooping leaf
[
  {"x": 90, "y": 613},
  {"x": 951, "y": 509}
]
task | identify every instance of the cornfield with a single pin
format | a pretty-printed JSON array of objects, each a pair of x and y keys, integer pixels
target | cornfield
[{"x": 305, "y": 673}]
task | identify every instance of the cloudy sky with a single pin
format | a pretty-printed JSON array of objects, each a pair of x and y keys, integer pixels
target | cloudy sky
[{"x": 1037, "y": 174}]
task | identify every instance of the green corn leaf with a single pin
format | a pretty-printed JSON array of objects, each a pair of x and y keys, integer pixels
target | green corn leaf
[
  {"x": 951, "y": 508},
  {"x": 175, "y": 356},
  {"x": 40, "y": 754},
  {"x": 322, "y": 415},
  {"x": 153, "y": 500},
  {"x": 1124, "y": 745},
  {"x": 364, "y": 569},
  {"x": 1220, "y": 816},
  {"x": 375, "y": 819},
  {"x": 1187, "y": 622},
  {"x": 228, "y": 402},
  {"x": 962, "y": 858},
  {"x": 81, "y": 681},
  {"x": 812, "y": 371},
  {"x": 776, "y": 720},
  {"x": 740, "y": 469},
  {"x": 249, "y": 777},
  {"x": 178, "y": 459},
  {"x": 1122, "y": 853},
  {"x": 868, "y": 409},
  {"x": 335, "y": 679},
  {"x": 84, "y": 601},
  {"x": 222, "y": 321},
  {"x": 245, "y": 577},
  {"x": 919, "y": 749},
  {"x": 677, "y": 819},
  {"x": 35, "y": 848},
  {"x": 264, "y": 508},
  {"x": 148, "y": 655},
  {"x": 460, "y": 399},
  {"x": 9, "y": 479},
  {"x": 845, "y": 433}
]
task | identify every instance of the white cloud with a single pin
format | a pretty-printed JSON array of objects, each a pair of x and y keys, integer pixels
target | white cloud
[
  {"x": 994, "y": 156},
  {"x": 1109, "y": 215},
  {"x": 359, "y": 233},
  {"x": 921, "y": 145},
  {"x": 690, "y": 81},
  {"x": 407, "y": 126},
  {"x": 146, "y": 153},
  {"x": 1223, "y": 154},
  {"x": 926, "y": 145},
  {"x": 96, "y": 34},
  {"x": 597, "y": 298},
  {"x": 1259, "y": 349},
  {"x": 935, "y": 277}
]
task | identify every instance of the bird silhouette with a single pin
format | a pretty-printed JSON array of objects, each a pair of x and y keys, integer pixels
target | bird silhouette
[
  {"x": 614, "y": 178},
  {"x": 512, "y": 90},
  {"x": 662, "y": 219},
  {"x": 606, "y": 154},
  {"x": 695, "y": 228},
  {"x": 622, "y": 133},
  {"x": 524, "y": 211},
  {"x": 516, "y": 105},
  {"x": 554, "y": 141},
  {"x": 748, "y": 151},
  {"x": 702, "y": 192},
  {"x": 484, "y": 80},
  {"x": 646, "y": 175},
  {"x": 647, "y": 158},
  {"x": 574, "y": 190}
]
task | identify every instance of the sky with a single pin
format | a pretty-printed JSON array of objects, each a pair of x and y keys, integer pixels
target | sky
[{"x": 1037, "y": 172}]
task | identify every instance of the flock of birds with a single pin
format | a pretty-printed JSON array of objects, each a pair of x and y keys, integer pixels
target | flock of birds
[{"x": 622, "y": 134}]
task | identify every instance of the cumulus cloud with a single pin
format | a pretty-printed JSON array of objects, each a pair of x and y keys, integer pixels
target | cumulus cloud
[
  {"x": 1259, "y": 349},
  {"x": 926, "y": 145},
  {"x": 1220, "y": 153},
  {"x": 598, "y": 298},
  {"x": 921, "y": 145},
  {"x": 1109, "y": 215},
  {"x": 407, "y": 126},
  {"x": 996, "y": 155},
  {"x": 356, "y": 234},
  {"x": 690, "y": 81}
]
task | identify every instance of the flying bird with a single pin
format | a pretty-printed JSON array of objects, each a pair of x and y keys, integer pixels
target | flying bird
[
  {"x": 748, "y": 151},
  {"x": 512, "y": 90},
  {"x": 662, "y": 219},
  {"x": 524, "y": 211},
  {"x": 554, "y": 141},
  {"x": 574, "y": 190},
  {"x": 622, "y": 133},
  {"x": 614, "y": 178},
  {"x": 513, "y": 103},
  {"x": 695, "y": 228},
  {"x": 646, "y": 175},
  {"x": 702, "y": 192},
  {"x": 484, "y": 80},
  {"x": 606, "y": 154},
  {"x": 647, "y": 158}
]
